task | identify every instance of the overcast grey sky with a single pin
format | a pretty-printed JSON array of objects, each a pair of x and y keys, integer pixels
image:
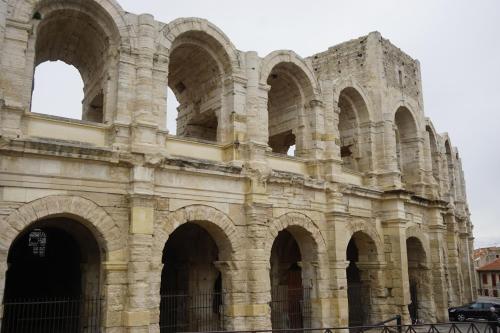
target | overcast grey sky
[{"x": 456, "y": 41}]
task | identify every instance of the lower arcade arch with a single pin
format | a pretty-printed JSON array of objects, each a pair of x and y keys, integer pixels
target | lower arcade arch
[
  {"x": 292, "y": 277},
  {"x": 361, "y": 273},
  {"x": 420, "y": 282},
  {"x": 192, "y": 295},
  {"x": 53, "y": 279}
]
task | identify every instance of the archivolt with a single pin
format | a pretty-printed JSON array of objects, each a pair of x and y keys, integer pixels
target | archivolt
[
  {"x": 417, "y": 233},
  {"x": 215, "y": 222},
  {"x": 286, "y": 56},
  {"x": 367, "y": 228},
  {"x": 80, "y": 209},
  {"x": 301, "y": 221},
  {"x": 180, "y": 26},
  {"x": 23, "y": 10}
]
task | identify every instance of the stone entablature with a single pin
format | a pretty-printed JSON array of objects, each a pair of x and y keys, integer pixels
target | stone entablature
[{"x": 369, "y": 168}]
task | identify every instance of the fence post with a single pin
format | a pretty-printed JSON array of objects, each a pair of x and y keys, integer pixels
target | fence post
[{"x": 398, "y": 322}]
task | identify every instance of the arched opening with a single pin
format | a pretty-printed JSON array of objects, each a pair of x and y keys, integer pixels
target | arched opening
[
  {"x": 291, "y": 284},
  {"x": 197, "y": 68},
  {"x": 407, "y": 146},
  {"x": 420, "y": 281},
  {"x": 362, "y": 254},
  {"x": 172, "y": 104},
  {"x": 59, "y": 36},
  {"x": 191, "y": 291},
  {"x": 53, "y": 279},
  {"x": 451, "y": 170},
  {"x": 353, "y": 129},
  {"x": 57, "y": 90},
  {"x": 434, "y": 153},
  {"x": 289, "y": 92}
]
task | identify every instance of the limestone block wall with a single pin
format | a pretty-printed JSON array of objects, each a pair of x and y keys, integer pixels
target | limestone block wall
[{"x": 374, "y": 198}]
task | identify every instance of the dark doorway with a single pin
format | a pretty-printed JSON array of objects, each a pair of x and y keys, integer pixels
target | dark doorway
[
  {"x": 290, "y": 300},
  {"x": 52, "y": 281},
  {"x": 192, "y": 296},
  {"x": 413, "y": 306},
  {"x": 354, "y": 286}
]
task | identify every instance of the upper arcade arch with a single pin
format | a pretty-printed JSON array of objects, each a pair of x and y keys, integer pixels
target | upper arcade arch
[
  {"x": 354, "y": 127},
  {"x": 407, "y": 145},
  {"x": 433, "y": 150},
  {"x": 57, "y": 35},
  {"x": 292, "y": 90},
  {"x": 201, "y": 63},
  {"x": 109, "y": 10},
  {"x": 180, "y": 26},
  {"x": 287, "y": 56}
]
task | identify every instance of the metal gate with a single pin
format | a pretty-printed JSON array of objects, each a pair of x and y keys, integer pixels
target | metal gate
[
  {"x": 182, "y": 312},
  {"x": 291, "y": 308},
  {"x": 52, "y": 315}
]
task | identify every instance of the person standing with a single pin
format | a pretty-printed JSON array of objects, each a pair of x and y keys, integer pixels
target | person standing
[{"x": 493, "y": 320}]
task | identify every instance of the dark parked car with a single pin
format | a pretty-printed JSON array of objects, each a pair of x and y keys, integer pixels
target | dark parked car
[{"x": 476, "y": 310}]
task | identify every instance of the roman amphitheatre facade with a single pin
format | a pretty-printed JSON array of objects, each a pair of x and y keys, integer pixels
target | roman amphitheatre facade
[{"x": 216, "y": 227}]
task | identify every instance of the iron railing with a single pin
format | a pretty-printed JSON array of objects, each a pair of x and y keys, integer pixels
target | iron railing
[
  {"x": 52, "y": 315},
  {"x": 290, "y": 308},
  {"x": 198, "y": 313},
  {"x": 452, "y": 327}
]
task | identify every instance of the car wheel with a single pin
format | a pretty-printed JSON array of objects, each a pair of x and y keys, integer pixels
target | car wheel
[{"x": 460, "y": 317}]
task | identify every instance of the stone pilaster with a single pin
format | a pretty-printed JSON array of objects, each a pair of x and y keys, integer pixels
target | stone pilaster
[
  {"x": 137, "y": 316},
  {"x": 467, "y": 269},
  {"x": 259, "y": 286},
  {"x": 456, "y": 291},
  {"x": 437, "y": 234},
  {"x": 145, "y": 127},
  {"x": 336, "y": 218},
  {"x": 397, "y": 268},
  {"x": 114, "y": 292}
]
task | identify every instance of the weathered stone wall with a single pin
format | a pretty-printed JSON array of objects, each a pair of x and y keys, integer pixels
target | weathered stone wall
[{"x": 368, "y": 165}]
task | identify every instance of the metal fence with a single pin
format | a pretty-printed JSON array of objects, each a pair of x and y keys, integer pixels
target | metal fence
[
  {"x": 52, "y": 315},
  {"x": 200, "y": 312},
  {"x": 290, "y": 308},
  {"x": 470, "y": 327}
]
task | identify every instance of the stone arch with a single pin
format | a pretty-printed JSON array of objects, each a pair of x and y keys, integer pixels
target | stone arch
[
  {"x": 216, "y": 223},
  {"x": 180, "y": 26},
  {"x": 417, "y": 233},
  {"x": 23, "y": 10},
  {"x": 83, "y": 210},
  {"x": 421, "y": 301},
  {"x": 408, "y": 147},
  {"x": 365, "y": 272},
  {"x": 287, "y": 56},
  {"x": 201, "y": 64},
  {"x": 352, "y": 84},
  {"x": 433, "y": 149},
  {"x": 300, "y": 221},
  {"x": 293, "y": 92},
  {"x": 354, "y": 128},
  {"x": 450, "y": 166},
  {"x": 312, "y": 254},
  {"x": 93, "y": 51},
  {"x": 369, "y": 230}
]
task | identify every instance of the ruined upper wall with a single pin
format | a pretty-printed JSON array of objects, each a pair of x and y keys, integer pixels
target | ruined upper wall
[{"x": 401, "y": 71}]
